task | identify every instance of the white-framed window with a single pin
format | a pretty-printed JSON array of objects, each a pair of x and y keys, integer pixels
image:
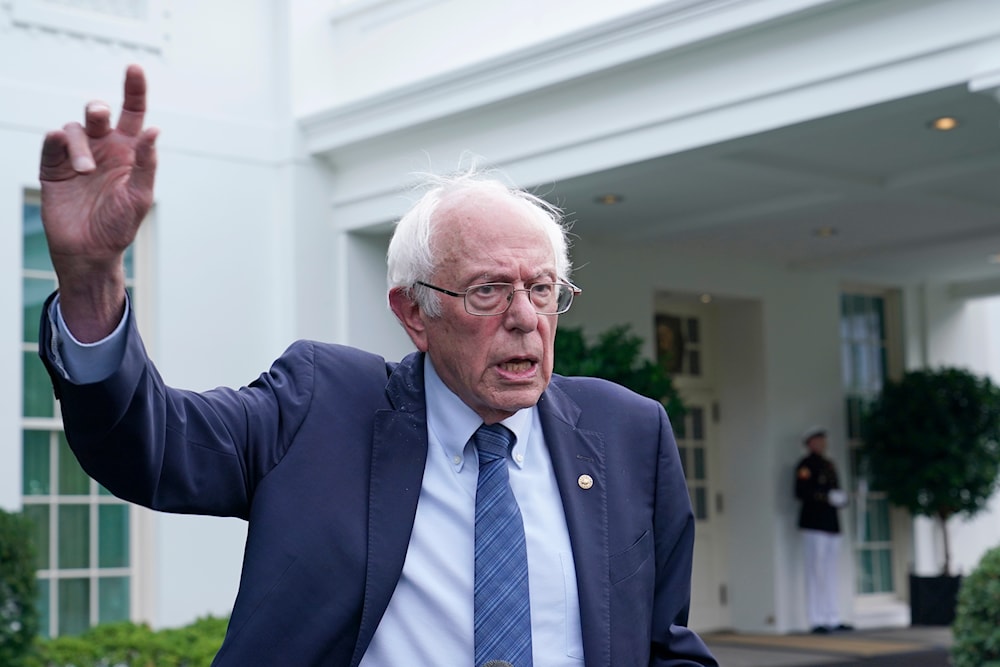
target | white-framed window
[
  {"x": 869, "y": 356},
  {"x": 82, "y": 533}
]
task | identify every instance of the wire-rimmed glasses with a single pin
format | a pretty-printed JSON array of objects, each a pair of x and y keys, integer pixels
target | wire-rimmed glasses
[{"x": 548, "y": 298}]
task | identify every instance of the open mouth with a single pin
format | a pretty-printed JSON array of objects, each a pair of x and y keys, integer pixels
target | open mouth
[{"x": 517, "y": 365}]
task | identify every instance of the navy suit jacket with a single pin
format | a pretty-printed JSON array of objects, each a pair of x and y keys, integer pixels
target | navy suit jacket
[{"x": 323, "y": 455}]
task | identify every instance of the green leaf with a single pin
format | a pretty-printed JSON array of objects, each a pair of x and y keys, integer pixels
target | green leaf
[{"x": 616, "y": 355}]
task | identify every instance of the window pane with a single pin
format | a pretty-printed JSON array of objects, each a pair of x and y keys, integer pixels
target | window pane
[
  {"x": 36, "y": 290},
  {"x": 693, "y": 335},
  {"x": 697, "y": 424},
  {"x": 878, "y": 520},
  {"x": 39, "y": 517},
  {"x": 38, "y": 397},
  {"x": 36, "y": 251},
  {"x": 74, "y": 606},
  {"x": 865, "y": 574},
  {"x": 700, "y": 504},
  {"x": 74, "y": 537},
  {"x": 699, "y": 462},
  {"x": 42, "y": 603},
  {"x": 112, "y": 535},
  {"x": 35, "y": 463},
  {"x": 112, "y": 599},
  {"x": 694, "y": 362},
  {"x": 72, "y": 480},
  {"x": 884, "y": 560},
  {"x": 682, "y": 451}
]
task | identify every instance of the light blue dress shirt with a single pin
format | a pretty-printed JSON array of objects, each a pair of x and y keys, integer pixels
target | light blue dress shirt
[{"x": 429, "y": 620}]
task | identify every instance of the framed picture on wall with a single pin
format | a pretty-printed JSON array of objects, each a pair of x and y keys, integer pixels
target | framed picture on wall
[{"x": 669, "y": 342}]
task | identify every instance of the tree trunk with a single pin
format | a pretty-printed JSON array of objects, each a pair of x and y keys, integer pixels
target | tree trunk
[{"x": 943, "y": 521}]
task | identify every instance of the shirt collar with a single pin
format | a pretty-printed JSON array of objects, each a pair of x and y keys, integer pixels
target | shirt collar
[{"x": 453, "y": 423}]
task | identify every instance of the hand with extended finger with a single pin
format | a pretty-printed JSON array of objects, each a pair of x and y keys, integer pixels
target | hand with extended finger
[{"x": 97, "y": 186}]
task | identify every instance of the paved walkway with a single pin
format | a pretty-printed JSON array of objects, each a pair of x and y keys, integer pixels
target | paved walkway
[{"x": 889, "y": 647}]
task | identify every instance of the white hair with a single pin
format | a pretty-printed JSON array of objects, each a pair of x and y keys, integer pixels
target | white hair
[{"x": 411, "y": 255}]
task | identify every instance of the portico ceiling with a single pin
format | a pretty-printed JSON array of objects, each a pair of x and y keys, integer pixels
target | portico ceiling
[{"x": 873, "y": 191}]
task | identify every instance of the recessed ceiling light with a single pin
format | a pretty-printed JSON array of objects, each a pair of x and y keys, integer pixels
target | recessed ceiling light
[
  {"x": 943, "y": 123},
  {"x": 994, "y": 259},
  {"x": 609, "y": 199},
  {"x": 825, "y": 232},
  {"x": 706, "y": 298}
]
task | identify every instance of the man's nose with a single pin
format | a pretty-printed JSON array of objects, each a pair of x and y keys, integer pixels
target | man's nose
[{"x": 521, "y": 313}]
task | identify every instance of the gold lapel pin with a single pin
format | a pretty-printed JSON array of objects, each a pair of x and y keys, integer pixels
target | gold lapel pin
[{"x": 585, "y": 481}]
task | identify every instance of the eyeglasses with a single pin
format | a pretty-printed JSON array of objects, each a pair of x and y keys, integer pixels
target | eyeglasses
[{"x": 495, "y": 298}]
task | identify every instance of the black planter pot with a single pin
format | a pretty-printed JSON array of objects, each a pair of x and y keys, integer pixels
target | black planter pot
[{"x": 932, "y": 599}]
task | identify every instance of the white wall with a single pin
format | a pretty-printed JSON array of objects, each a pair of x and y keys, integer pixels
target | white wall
[{"x": 405, "y": 42}]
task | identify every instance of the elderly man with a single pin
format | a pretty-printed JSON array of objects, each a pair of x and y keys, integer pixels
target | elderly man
[{"x": 463, "y": 506}]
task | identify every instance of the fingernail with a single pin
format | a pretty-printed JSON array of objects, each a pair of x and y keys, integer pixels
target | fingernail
[
  {"x": 83, "y": 164},
  {"x": 97, "y": 106}
]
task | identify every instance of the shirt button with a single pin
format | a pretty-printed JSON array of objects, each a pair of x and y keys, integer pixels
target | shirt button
[
  {"x": 519, "y": 458},
  {"x": 456, "y": 460}
]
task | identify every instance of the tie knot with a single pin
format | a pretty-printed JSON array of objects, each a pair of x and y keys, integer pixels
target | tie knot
[{"x": 493, "y": 442}]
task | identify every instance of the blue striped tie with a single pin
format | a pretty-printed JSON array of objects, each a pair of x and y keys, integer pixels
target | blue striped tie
[{"x": 503, "y": 614}]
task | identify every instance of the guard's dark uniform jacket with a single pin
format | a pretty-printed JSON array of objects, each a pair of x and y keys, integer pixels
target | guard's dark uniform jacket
[{"x": 815, "y": 477}]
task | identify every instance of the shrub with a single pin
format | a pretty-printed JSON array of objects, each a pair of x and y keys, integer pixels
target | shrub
[
  {"x": 18, "y": 615},
  {"x": 977, "y": 617},
  {"x": 615, "y": 356},
  {"x": 134, "y": 645}
]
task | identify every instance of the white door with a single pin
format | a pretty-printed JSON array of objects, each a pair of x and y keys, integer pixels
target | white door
[{"x": 685, "y": 334}]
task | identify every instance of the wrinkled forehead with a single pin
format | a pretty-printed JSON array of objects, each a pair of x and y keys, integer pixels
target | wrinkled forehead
[{"x": 468, "y": 224}]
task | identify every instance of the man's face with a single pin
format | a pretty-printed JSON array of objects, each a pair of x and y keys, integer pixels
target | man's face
[
  {"x": 501, "y": 363},
  {"x": 817, "y": 444}
]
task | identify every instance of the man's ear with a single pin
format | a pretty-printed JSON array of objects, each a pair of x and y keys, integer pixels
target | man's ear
[{"x": 409, "y": 314}]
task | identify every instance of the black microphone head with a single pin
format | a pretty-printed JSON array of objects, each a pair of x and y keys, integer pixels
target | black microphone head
[{"x": 497, "y": 663}]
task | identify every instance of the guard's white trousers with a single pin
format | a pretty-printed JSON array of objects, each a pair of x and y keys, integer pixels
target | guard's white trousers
[{"x": 821, "y": 554}]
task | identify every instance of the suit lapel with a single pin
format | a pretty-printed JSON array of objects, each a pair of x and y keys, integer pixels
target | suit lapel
[
  {"x": 579, "y": 462},
  {"x": 399, "y": 455}
]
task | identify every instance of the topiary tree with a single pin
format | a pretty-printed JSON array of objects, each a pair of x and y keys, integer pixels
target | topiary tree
[
  {"x": 932, "y": 444},
  {"x": 976, "y": 629},
  {"x": 18, "y": 588},
  {"x": 615, "y": 355}
]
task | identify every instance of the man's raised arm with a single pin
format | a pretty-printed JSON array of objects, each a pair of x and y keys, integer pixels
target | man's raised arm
[{"x": 97, "y": 186}]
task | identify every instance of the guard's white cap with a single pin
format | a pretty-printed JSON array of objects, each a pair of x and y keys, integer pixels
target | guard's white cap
[{"x": 812, "y": 432}]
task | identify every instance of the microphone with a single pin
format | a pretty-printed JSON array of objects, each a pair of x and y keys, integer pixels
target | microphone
[{"x": 497, "y": 663}]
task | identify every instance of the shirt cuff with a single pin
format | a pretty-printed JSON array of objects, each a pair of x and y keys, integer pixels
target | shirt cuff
[{"x": 86, "y": 363}]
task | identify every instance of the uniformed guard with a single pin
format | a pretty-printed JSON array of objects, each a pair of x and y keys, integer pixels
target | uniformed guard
[{"x": 818, "y": 489}]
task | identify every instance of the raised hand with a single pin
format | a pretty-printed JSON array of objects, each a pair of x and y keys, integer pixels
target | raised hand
[{"x": 97, "y": 186}]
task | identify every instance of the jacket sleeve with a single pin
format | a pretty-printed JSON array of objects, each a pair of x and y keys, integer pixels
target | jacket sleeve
[{"x": 181, "y": 451}]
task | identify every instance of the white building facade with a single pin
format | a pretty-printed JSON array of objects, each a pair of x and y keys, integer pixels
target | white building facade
[{"x": 778, "y": 224}]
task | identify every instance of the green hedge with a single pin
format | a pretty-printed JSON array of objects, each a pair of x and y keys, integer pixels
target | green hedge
[
  {"x": 977, "y": 618},
  {"x": 134, "y": 645},
  {"x": 18, "y": 589}
]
